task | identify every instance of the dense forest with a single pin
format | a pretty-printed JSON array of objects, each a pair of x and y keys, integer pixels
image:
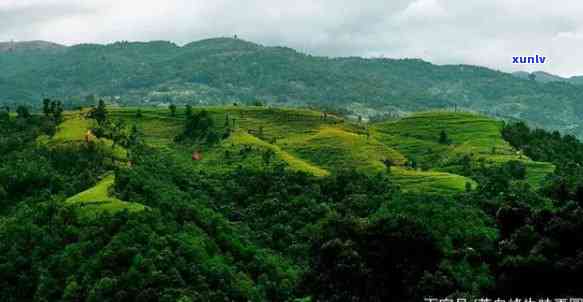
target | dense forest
[
  {"x": 274, "y": 234},
  {"x": 226, "y": 70}
]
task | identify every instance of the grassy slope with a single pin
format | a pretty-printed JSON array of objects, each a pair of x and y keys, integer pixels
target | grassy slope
[
  {"x": 477, "y": 136},
  {"x": 73, "y": 130},
  {"x": 97, "y": 199},
  {"x": 305, "y": 141},
  {"x": 333, "y": 147},
  {"x": 300, "y": 138},
  {"x": 430, "y": 181}
]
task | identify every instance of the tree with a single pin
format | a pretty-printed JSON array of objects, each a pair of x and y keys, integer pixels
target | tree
[
  {"x": 53, "y": 106},
  {"x": 134, "y": 137},
  {"x": 198, "y": 127},
  {"x": 188, "y": 111},
  {"x": 267, "y": 156},
  {"x": 118, "y": 136},
  {"x": 47, "y": 107},
  {"x": 4, "y": 115},
  {"x": 382, "y": 260},
  {"x": 57, "y": 111},
  {"x": 443, "y": 139},
  {"x": 49, "y": 127},
  {"x": 413, "y": 163},
  {"x": 139, "y": 113},
  {"x": 260, "y": 132},
  {"x": 515, "y": 169},
  {"x": 172, "y": 108},
  {"x": 22, "y": 112},
  {"x": 212, "y": 137},
  {"x": 468, "y": 186},
  {"x": 532, "y": 76},
  {"x": 388, "y": 164},
  {"x": 99, "y": 113}
]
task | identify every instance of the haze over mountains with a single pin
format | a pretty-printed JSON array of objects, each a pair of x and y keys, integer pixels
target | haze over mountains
[{"x": 226, "y": 70}]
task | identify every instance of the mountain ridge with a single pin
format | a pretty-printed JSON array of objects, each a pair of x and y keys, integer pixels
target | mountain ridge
[
  {"x": 546, "y": 77},
  {"x": 220, "y": 71},
  {"x": 11, "y": 46}
]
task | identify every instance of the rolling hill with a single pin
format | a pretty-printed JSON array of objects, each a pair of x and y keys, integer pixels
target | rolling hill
[
  {"x": 223, "y": 70},
  {"x": 321, "y": 144},
  {"x": 471, "y": 135}
]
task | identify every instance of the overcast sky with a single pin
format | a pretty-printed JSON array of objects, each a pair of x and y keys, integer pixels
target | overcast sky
[{"x": 480, "y": 32}]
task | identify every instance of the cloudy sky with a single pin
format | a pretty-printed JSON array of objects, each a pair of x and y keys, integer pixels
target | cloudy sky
[{"x": 480, "y": 32}]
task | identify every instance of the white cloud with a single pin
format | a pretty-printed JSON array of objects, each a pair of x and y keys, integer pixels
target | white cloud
[{"x": 482, "y": 32}]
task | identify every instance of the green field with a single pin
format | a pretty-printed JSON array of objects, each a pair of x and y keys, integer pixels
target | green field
[
  {"x": 305, "y": 140},
  {"x": 97, "y": 199},
  {"x": 73, "y": 130},
  {"x": 476, "y": 136}
]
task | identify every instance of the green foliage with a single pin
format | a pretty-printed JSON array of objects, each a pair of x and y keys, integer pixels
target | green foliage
[
  {"x": 290, "y": 206},
  {"x": 443, "y": 139},
  {"x": 4, "y": 115},
  {"x": 99, "y": 113},
  {"x": 23, "y": 112},
  {"x": 98, "y": 199},
  {"x": 466, "y": 146},
  {"x": 53, "y": 109},
  {"x": 172, "y": 109},
  {"x": 226, "y": 71},
  {"x": 381, "y": 260},
  {"x": 188, "y": 112},
  {"x": 199, "y": 127}
]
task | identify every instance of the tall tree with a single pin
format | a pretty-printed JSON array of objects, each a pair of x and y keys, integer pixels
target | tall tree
[
  {"x": 443, "y": 138},
  {"x": 47, "y": 107},
  {"x": 118, "y": 136},
  {"x": 57, "y": 111},
  {"x": 4, "y": 115},
  {"x": 188, "y": 111},
  {"x": 22, "y": 112},
  {"x": 172, "y": 108},
  {"x": 99, "y": 113}
]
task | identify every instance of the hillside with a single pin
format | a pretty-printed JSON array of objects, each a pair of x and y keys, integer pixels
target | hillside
[
  {"x": 320, "y": 145},
  {"x": 224, "y": 70},
  {"x": 545, "y": 77},
  {"x": 470, "y": 136},
  {"x": 256, "y": 203}
]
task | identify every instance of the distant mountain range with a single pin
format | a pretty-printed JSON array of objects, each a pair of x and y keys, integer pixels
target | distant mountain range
[
  {"x": 226, "y": 70},
  {"x": 545, "y": 77},
  {"x": 30, "y": 45}
]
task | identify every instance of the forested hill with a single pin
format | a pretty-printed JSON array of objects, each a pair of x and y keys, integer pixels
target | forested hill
[
  {"x": 250, "y": 203},
  {"x": 224, "y": 70}
]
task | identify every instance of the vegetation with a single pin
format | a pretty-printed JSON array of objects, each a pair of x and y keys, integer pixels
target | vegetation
[
  {"x": 284, "y": 205},
  {"x": 225, "y": 71}
]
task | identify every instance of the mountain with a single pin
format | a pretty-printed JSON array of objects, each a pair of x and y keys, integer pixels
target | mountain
[
  {"x": 30, "y": 46},
  {"x": 540, "y": 76},
  {"x": 545, "y": 77},
  {"x": 578, "y": 80},
  {"x": 225, "y": 70}
]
